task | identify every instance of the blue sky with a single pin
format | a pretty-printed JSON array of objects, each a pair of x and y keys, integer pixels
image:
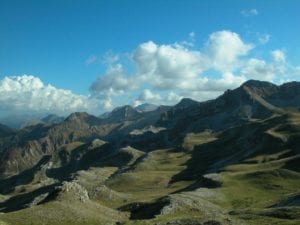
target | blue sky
[{"x": 90, "y": 48}]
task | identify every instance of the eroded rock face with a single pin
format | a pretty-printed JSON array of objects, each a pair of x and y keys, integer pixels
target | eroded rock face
[{"x": 30, "y": 144}]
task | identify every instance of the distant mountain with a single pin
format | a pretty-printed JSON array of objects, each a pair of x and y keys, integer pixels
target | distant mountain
[
  {"x": 104, "y": 115},
  {"x": 52, "y": 119},
  {"x": 33, "y": 142},
  {"x": 123, "y": 113},
  {"x": 146, "y": 107},
  {"x": 20, "y": 120}
]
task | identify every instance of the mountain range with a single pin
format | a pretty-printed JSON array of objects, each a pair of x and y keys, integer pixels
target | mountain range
[{"x": 231, "y": 160}]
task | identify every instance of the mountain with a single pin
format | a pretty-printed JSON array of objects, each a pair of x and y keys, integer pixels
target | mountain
[
  {"x": 252, "y": 100},
  {"x": 124, "y": 113},
  {"x": 104, "y": 115},
  {"x": 186, "y": 103},
  {"x": 32, "y": 143},
  {"x": 52, "y": 119},
  {"x": 146, "y": 107},
  {"x": 231, "y": 160},
  {"x": 20, "y": 120},
  {"x": 24, "y": 120}
]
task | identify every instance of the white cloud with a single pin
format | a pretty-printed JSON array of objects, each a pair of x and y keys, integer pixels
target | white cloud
[
  {"x": 114, "y": 82},
  {"x": 227, "y": 81},
  {"x": 249, "y": 12},
  {"x": 178, "y": 70},
  {"x": 175, "y": 71},
  {"x": 29, "y": 94},
  {"x": 107, "y": 104},
  {"x": 278, "y": 55},
  {"x": 168, "y": 66},
  {"x": 172, "y": 97},
  {"x": 174, "y": 67},
  {"x": 259, "y": 70},
  {"x": 225, "y": 48},
  {"x": 148, "y": 95}
]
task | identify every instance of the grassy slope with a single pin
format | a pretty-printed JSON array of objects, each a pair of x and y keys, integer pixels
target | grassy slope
[
  {"x": 149, "y": 179},
  {"x": 63, "y": 213},
  {"x": 252, "y": 188}
]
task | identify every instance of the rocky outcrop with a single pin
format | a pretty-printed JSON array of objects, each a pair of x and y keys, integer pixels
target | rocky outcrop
[{"x": 73, "y": 191}]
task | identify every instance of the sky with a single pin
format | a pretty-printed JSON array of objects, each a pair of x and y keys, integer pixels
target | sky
[{"x": 61, "y": 56}]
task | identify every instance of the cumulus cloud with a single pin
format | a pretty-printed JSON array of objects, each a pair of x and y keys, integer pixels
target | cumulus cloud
[
  {"x": 177, "y": 71},
  {"x": 29, "y": 94},
  {"x": 148, "y": 95},
  {"x": 173, "y": 71},
  {"x": 259, "y": 70},
  {"x": 168, "y": 66},
  {"x": 225, "y": 48},
  {"x": 249, "y": 12},
  {"x": 172, "y": 97},
  {"x": 114, "y": 82}
]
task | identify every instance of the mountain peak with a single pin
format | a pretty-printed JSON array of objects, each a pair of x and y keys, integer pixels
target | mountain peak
[
  {"x": 122, "y": 113},
  {"x": 186, "y": 102},
  {"x": 292, "y": 84},
  {"x": 82, "y": 117},
  {"x": 77, "y": 115},
  {"x": 258, "y": 84}
]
